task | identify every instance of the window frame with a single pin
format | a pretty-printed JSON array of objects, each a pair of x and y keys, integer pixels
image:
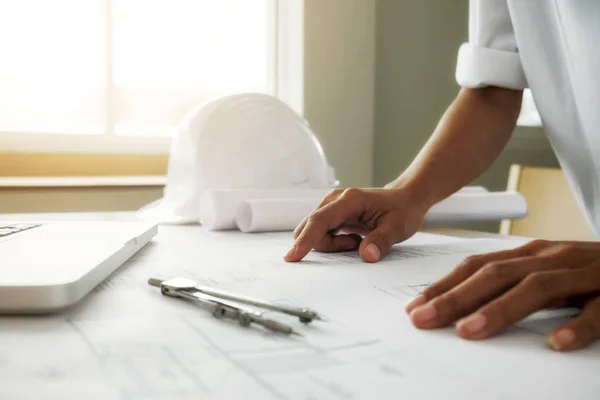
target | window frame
[{"x": 285, "y": 67}]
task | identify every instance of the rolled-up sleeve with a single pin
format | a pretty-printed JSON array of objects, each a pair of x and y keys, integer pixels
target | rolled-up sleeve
[{"x": 490, "y": 57}]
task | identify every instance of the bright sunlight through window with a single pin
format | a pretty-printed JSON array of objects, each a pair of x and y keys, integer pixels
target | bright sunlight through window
[{"x": 127, "y": 67}]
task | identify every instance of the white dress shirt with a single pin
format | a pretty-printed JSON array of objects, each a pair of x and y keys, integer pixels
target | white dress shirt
[{"x": 553, "y": 48}]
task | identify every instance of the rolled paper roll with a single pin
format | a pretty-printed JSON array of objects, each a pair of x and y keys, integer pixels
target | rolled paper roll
[
  {"x": 273, "y": 215},
  {"x": 218, "y": 208},
  {"x": 478, "y": 206},
  {"x": 283, "y": 209}
]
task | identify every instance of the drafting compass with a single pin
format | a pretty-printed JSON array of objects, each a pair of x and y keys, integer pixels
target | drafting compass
[{"x": 229, "y": 305}]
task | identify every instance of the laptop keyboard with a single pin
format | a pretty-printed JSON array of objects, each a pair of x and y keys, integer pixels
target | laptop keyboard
[{"x": 7, "y": 230}]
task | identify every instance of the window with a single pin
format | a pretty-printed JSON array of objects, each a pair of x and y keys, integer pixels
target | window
[{"x": 125, "y": 71}]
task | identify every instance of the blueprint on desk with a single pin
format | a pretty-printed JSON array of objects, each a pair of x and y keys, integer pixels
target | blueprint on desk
[{"x": 127, "y": 341}]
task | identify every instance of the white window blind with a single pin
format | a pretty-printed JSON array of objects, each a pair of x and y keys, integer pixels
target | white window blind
[{"x": 127, "y": 67}]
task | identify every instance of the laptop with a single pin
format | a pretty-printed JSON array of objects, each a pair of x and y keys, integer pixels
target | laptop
[{"x": 48, "y": 266}]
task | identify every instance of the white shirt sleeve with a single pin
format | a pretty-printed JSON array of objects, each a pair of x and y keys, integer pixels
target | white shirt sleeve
[{"x": 490, "y": 57}]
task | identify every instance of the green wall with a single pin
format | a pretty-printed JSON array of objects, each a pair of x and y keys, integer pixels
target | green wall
[
  {"x": 416, "y": 48},
  {"x": 339, "y": 80},
  {"x": 416, "y": 45}
]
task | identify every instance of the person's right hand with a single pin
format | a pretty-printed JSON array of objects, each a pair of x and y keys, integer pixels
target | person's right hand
[{"x": 383, "y": 216}]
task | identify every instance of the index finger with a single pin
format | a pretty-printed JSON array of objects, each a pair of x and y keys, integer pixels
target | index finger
[
  {"x": 320, "y": 222},
  {"x": 329, "y": 198},
  {"x": 459, "y": 274}
]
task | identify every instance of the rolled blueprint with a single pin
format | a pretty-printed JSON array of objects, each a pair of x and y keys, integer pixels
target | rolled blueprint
[
  {"x": 284, "y": 209},
  {"x": 272, "y": 215},
  {"x": 218, "y": 208},
  {"x": 478, "y": 206}
]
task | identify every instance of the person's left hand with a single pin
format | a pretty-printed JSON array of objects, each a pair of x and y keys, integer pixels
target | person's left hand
[{"x": 489, "y": 292}]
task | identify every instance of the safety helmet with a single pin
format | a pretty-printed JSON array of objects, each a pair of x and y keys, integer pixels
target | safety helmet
[{"x": 241, "y": 141}]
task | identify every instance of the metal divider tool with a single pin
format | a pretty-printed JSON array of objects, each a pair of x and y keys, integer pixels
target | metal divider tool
[{"x": 229, "y": 305}]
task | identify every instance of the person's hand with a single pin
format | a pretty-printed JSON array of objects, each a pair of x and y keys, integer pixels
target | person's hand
[
  {"x": 383, "y": 216},
  {"x": 489, "y": 292}
]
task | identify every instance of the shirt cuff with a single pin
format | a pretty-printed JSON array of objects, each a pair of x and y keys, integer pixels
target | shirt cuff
[{"x": 481, "y": 66}]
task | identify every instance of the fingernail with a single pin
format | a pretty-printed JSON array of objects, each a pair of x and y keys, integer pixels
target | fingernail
[
  {"x": 289, "y": 253},
  {"x": 416, "y": 302},
  {"x": 561, "y": 339},
  {"x": 423, "y": 314},
  {"x": 473, "y": 324},
  {"x": 372, "y": 251}
]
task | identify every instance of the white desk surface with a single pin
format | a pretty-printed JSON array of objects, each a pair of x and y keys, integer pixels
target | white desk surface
[{"x": 127, "y": 341}]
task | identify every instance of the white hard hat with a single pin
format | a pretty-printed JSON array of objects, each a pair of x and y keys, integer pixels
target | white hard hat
[{"x": 243, "y": 141}]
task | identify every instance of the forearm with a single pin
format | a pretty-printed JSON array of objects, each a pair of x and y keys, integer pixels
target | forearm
[{"x": 468, "y": 139}]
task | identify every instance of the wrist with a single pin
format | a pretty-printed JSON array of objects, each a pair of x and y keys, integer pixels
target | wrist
[{"x": 417, "y": 194}]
